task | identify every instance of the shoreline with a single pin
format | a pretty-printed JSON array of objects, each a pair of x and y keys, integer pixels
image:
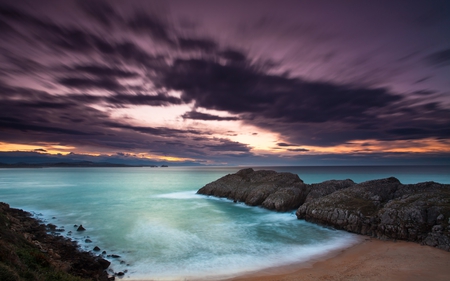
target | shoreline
[
  {"x": 371, "y": 259},
  {"x": 367, "y": 259}
]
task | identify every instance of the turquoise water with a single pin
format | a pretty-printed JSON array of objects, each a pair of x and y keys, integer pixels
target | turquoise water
[{"x": 163, "y": 230}]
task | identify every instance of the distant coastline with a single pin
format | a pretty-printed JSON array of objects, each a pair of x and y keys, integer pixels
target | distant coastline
[{"x": 81, "y": 164}]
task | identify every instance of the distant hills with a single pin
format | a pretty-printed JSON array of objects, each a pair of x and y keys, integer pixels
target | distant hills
[{"x": 71, "y": 164}]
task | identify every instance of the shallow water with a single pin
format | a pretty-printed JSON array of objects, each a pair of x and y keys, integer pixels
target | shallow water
[{"x": 153, "y": 218}]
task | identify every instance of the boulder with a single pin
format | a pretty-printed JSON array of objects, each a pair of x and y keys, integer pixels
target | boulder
[{"x": 269, "y": 189}]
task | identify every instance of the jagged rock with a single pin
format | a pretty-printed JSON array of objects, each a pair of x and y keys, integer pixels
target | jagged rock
[
  {"x": 96, "y": 248},
  {"x": 81, "y": 228},
  {"x": 20, "y": 230},
  {"x": 272, "y": 190},
  {"x": 327, "y": 187},
  {"x": 386, "y": 209}
]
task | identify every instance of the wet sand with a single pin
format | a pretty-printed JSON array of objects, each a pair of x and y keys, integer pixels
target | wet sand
[{"x": 372, "y": 260}]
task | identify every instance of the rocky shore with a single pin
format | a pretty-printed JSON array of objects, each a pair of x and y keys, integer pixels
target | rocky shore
[
  {"x": 29, "y": 252},
  {"x": 385, "y": 208}
]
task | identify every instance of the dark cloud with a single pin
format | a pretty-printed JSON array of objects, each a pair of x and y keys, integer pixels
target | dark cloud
[
  {"x": 100, "y": 70},
  {"x": 297, "y": 108},
  {"x": 151, "y": 26},
  {"x": 41, "y": 129},
  {"x": 99, "y": 11},
  {"x": 87, "y": 83},
  {"x": 285, "y": 144},
  {"x": 139, "y": 99},
  {"x": 298, "y": 149},
  {"x": 228, "y": 145},
  {"x": 440, "y": 58},
  {"x": 207, "y": 117},
  {"x": 233, "y": 55},
  {"x": 160, "y": 131},
  {"x": 205, "y": 45}
]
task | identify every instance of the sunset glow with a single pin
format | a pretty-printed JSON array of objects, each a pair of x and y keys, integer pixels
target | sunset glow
[{"x": 220, "y": 83}]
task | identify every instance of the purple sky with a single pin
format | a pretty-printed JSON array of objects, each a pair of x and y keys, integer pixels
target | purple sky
[{"x": 226, "y": 82}]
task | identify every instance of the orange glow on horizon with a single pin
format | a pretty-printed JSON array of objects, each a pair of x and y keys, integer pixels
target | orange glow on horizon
[
  {"x": 374, "y": 146},
  {"x": 38, "y": 148},
  {"x": 65, "y": 150},
  {"x": 354, "y": 147}
]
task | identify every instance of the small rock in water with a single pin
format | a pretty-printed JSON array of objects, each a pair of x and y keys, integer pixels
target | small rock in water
[
  {"x": 88, "y": 241},
  {"x": 115, "y": 256},
  {"x": 104, "y": 253},
  {"x": 75, "y": 225},
  {"x": 81, "y": 228},
  {"x": 51, "y": 226},
  {"x": 120, "y": 273},
  {"x": 96, "y": 248}
]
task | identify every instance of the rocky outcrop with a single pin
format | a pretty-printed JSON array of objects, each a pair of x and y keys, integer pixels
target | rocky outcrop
[
  {"x": 28, "y": 252},
  {"x": 384, "y": 208},
  {"x": 387, "y": 209},
  {"x": 272, "y": 190},
  {"x": 327, "y": 187}
]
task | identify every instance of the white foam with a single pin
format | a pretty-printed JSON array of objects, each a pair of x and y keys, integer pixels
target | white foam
[
  {"x": 179, "y": 195},
  {"x": 168, "y": 252},
  {"x": 211, "y": 267}
]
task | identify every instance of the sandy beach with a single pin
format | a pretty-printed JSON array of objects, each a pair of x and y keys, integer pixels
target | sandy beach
[{"x": 372, "y": 260}]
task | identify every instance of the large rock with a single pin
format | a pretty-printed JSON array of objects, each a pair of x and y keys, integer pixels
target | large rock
[
  {"x": 386, "y": 209},
  {"x": 272, "y": 190}
]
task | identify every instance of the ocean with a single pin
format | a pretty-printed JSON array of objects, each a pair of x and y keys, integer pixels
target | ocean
[{"x": 162, "y": 230}]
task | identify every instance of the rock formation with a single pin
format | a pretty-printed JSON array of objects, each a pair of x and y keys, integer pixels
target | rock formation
[
  {"x": 384, "y": 208},
  {"x": 387, "y": 209},
  {"x": 27, "y": 252},
  {"x": 272, "y": 190}
]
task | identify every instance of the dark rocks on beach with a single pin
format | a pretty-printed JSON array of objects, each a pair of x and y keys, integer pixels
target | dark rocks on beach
[
  {"x": 29, "y": 237},
  {"x": 385, "y": 208},
  {"x": 81, "y": 228}
]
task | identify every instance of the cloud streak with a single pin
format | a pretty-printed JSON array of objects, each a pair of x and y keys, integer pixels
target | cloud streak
[{"x": 104, "y": 78}]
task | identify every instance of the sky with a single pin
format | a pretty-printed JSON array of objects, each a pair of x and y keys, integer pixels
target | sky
[{"x": 226, "y": 82}]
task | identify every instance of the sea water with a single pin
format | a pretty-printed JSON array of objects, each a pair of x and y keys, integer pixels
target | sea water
[{"x": 162, "y": 230}]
